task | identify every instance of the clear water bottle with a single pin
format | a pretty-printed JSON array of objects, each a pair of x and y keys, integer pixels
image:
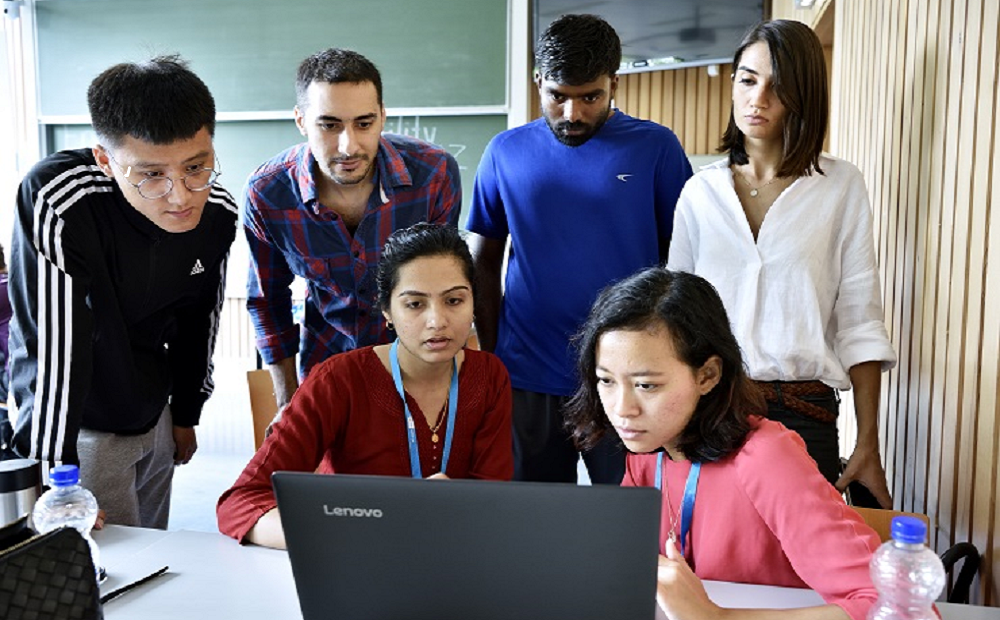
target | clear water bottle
[
  {"x": 67, "y": 503},
  {"x": 907, "y": 574}
]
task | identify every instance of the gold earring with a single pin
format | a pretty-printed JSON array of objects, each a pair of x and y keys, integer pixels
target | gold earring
[{"x": 390, "y": 325}]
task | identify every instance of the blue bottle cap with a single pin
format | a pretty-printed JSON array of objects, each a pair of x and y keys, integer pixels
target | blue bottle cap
[
  {"x": 64, "y": 475},
  {"x": 909, "y": 530}
]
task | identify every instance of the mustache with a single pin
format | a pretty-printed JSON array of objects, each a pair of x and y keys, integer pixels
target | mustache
[
  {"x": 571, "y": 125},
  {"x": 348, "y": 159}
]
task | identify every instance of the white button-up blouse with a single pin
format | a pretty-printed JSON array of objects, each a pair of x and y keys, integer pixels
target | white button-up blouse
[{"x": 804, "y": 298}]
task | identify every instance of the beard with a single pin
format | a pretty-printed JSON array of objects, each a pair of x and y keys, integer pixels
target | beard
[
  {"x": 561, "y": 129},
  {"x": 353, "y": 177}
]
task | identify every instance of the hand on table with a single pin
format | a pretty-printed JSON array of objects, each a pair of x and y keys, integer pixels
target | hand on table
[
  {"x": 101, "y": 516},
  {"x": 679, "y": 592}
]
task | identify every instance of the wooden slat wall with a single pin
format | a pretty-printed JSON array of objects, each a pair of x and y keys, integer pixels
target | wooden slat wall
[
  {"x": 915, "y": 94},
  {"x": 689, "y": 101}
]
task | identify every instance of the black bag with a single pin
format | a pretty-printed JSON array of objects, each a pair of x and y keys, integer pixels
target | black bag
[{"x": 48, "y": 576}]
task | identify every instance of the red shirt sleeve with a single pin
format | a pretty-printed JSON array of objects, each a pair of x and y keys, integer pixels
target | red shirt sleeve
[
  {"x": 492, "y": 445},
  {"x": 826, "y": 542},
  {"x": 297, "y": 443}
]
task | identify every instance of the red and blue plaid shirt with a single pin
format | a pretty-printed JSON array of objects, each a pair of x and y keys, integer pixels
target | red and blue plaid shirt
[{"x": 291, "y": 234}]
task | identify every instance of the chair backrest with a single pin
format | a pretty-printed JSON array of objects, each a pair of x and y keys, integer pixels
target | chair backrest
[
  {"x": 263, "y": 404},
  {"x": 881, "y": 520}
]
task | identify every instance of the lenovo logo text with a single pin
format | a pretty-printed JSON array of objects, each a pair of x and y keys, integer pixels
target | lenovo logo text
[{"x": 364, "y": 513}]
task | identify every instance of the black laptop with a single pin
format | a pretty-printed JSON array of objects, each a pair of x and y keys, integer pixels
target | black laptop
[{"x": 384, "y": 548}]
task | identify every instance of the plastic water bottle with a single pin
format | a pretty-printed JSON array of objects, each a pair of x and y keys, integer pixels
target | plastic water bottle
[
  {"x": 908, "y": 576},
  {"x": 67, "y": 503}
]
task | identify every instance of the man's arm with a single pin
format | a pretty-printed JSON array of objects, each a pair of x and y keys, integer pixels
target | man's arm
[
  {"x": 446, "y": 194},
  {"x": 198, "y": 324},
  {"x": 52, "y": 326},
  {"x": 269, "y": 300},
  {"x": 673, "y": 172},
  {"x": 487, "y": 256},
  {"x": 285, "y": 379}
]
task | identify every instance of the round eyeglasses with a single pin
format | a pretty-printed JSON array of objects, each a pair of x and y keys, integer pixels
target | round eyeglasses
[{"x": 154, "y": 187}]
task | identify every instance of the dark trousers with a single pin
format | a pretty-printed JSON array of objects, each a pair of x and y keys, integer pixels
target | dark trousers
[
  {"x": 822, "y": 438},
  {"x": 823, "y": 444},
  {"x": 544, "y": 451}
]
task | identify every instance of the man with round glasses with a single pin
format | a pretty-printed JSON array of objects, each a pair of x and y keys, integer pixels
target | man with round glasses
[{"x": 117, "y": 281}]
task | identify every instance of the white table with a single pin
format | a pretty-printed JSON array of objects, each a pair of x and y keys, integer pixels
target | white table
[{"x": 211, "y": 576}]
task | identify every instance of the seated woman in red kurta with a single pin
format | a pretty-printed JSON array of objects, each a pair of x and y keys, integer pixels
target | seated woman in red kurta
[
  {"x": 348, "y": 416},
  {"x": 742, "y": 499}
]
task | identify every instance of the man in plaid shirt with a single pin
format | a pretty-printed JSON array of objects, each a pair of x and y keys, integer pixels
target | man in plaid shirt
[{"x": 322, "y": 211}]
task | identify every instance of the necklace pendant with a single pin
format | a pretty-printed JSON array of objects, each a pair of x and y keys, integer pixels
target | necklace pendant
[
  {"x": 754, "y": 193},
  {"x": 434, "y": 437}
]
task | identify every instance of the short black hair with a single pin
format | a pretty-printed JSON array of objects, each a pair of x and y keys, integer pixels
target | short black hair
[
  {"x": 695, "y": 319},
  {"x": 800, "y": 83},
  {"x": 419, "y": 241},
  {"x": 577, "y": 49},
  {"x": 159, "y": 101},
  {"x": 335, "y": 65}
]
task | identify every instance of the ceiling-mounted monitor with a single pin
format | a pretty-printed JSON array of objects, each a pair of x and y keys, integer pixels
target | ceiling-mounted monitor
[{"x": 656, "y": 33}]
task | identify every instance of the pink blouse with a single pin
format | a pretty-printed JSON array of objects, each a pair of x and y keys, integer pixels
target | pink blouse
[{"x": 765, "y": 515}]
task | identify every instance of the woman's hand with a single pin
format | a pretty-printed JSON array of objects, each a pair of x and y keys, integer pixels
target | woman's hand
[
  {"x": 267, "y": 532},
  {"x": 865, "y": 466},
  {"x": 438, "y": 476},
  {"x": 679, "y": 592}
]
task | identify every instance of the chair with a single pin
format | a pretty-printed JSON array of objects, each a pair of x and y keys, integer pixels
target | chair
[
  {"x": 881, "y": 521},
  {"x": 263, "y": 404}
]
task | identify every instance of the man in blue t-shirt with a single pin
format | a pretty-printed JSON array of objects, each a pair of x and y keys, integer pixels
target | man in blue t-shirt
[{"x": 586, "y": 195}]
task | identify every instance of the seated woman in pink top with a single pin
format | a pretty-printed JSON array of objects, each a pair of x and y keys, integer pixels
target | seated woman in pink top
[
  {"x": 742, "y": 499},
  {"x": 349, "y": 415}
]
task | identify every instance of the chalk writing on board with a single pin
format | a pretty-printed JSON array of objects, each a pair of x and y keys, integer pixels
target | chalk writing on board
[{"x": 413, "y": 127}]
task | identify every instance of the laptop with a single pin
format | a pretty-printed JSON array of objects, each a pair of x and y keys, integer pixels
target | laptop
[{"x": 386, "y": 548}]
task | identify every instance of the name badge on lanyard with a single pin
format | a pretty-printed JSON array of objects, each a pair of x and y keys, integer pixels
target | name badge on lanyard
[
  {"x": 690, "y": 490},
  {"x": 411, "y": 429}
]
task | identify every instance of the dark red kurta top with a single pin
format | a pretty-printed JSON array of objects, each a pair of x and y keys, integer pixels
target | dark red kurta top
[{"x": 347, "y": 418}]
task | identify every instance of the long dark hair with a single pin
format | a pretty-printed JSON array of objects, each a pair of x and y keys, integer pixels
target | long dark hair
[
  {"x": 694, "y": 317},
  {"x": 800, "y": 83}
]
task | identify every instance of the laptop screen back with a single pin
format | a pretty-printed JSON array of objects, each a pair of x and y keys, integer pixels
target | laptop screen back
[{"x": 384, "y": 548}]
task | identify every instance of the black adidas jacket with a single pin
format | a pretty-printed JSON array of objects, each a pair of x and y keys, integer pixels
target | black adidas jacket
[{"x": 112, "y": 314}]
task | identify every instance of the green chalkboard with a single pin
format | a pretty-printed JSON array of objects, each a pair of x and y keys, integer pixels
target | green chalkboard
[
  {"x": 431, "y": 53},
  {"x": 242, "y": 146}
]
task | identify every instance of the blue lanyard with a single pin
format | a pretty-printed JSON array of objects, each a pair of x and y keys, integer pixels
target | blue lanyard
[
  {"x": 690, "y": 489},
  {"x": 411, "y": 429}
]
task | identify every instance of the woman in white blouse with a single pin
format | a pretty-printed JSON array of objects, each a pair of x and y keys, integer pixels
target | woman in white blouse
[{"x": 785, "y": 235}]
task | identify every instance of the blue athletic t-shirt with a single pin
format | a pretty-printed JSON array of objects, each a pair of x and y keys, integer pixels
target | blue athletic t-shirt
[{"x": 579, "y": 219}]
